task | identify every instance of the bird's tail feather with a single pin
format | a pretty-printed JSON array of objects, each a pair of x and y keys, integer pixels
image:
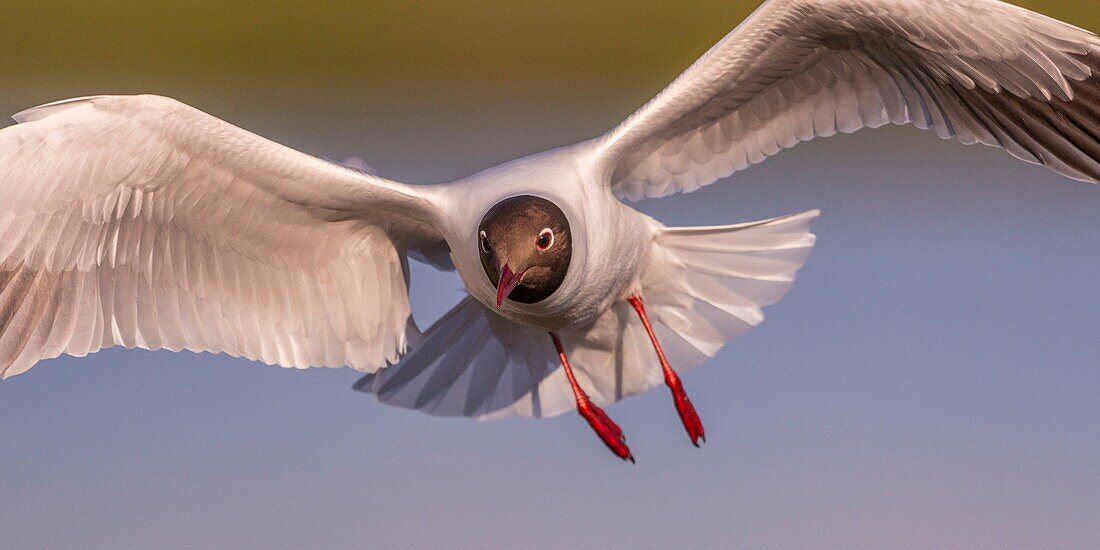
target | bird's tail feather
[
  {"x": 705, "y": 285},
  {"x": 702, "y": 287},
  {"x": 469, "y": 363}
]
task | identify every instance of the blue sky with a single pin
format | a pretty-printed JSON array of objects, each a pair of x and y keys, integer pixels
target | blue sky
[{"x": 930, "y": 381}]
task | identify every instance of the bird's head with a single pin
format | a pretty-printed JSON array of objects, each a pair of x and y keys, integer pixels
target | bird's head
[{"x": 525, "y": 248}]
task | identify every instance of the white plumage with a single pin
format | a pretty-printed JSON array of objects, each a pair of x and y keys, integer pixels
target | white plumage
[
  {"x": 979, "y": 71},
  {"x": 142, "y": 222}
]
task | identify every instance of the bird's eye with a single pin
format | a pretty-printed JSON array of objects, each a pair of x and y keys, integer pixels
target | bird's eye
[
  {"x": 546, "y": 239},
  {"x": 484, "y": 242}
]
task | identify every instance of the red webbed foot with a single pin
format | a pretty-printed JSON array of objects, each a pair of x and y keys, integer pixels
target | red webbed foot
[
  {"x": 688, "y": 416},
  {"x": 610, "y": 432}
]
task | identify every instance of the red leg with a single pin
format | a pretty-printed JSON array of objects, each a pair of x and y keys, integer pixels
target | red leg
[
  {"x": 606, "y": 428},
  {"x": 688, "y": 416}
]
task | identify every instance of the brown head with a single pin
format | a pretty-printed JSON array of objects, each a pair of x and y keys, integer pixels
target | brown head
[{"x": 525, "y": 248}]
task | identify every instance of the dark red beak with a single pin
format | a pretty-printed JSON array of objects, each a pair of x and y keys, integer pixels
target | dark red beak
[{"x": 507, "y": 284}]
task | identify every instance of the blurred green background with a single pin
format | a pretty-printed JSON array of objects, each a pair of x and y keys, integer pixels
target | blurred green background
[
  {"x": 454, "y": 80},
  {"x": 284, "y": 50}
]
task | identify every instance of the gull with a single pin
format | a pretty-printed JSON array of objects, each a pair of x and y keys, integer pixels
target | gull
[{"x": 142, "y": 222}]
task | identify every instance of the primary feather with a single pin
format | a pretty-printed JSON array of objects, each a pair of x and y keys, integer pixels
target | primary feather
[{"x": 979, "y": 71}]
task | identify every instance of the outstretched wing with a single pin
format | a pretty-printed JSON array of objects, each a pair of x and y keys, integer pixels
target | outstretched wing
[
  {"x": 979, "y": 71},
  {"x": 140, "y": 221}
]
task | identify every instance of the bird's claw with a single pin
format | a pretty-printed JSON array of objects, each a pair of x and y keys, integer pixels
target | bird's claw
[
  {"x": 689, "y": 417},
  {"x": 610, "y": 432}
]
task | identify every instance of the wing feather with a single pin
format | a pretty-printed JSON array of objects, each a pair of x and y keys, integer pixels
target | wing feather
[
  {"x": 142, "y": 222},
  {"x": 979, "y": 71}
]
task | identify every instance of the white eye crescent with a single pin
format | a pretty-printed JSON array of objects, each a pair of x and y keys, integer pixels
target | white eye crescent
[
  {"x": 484, "y": 242},
  {"x": 546, "y": 239}
]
